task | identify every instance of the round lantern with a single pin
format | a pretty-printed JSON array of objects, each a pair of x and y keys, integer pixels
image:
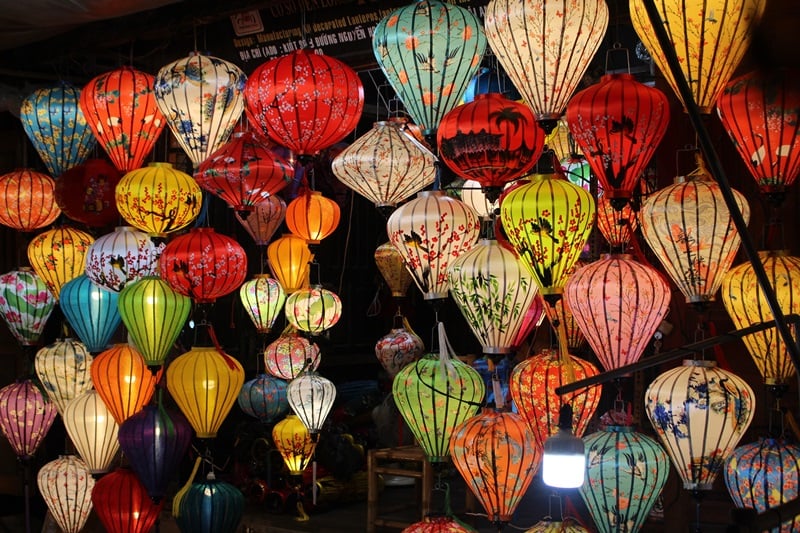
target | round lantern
[
  {"x": 618, "y": 123},
  {"x": 59, "y": 255},
  {"x": 710, "y": 38},
  {"x": 27, "y": 200},
  {"x": 91, "y": 312},
  {"x": 121, "y": 109},
  {"x": 263, "y": 299},
  {"x": 57, "y": 128},
  {"x": 25, "y": 304},
  {"x": 264, "y": 398},
  {"x": 244, "y": 172},
  {"x": 616, "y": 226},
  {"x": 122, "y": 504},
  {"x": 92, "y": 430},
  {"x": 211, "y": 506},
  {"x": 699, "y": 412},
  {"x": 203, "y": 264},
  {"x": 398, "y": 348},
  {"x": 746, "y": 304},
  {"x": 264, "y": 220},
  {"x": 545, "y": 48},
  {"x": 66, "y": 487},
  {"x": 63, "y": 369},
  {"x": 429, "y": 52},
  {"x": 294, "y": 442},
  {"x": 386, "y": 165},
  {"x": 86, "y": 193},
  {"x": 319, "y": 100},
  {"x": 25, "y": 417},
  {"x": 618, "y": 304},
  {"x": 154, "y": 315},
  {"x": 289, "y": 260},
  {"x": 438, "y": 524},
  {"x": 494, "y": 453},
  {"x": 158, "y": 199},
  {"x": 311, "y": 398},
  {"x": 201, "y": 98},
  {"x": 312, "y": 217},
  {"x": 393, "y": 269},
  {"x": 205, "y": 384},
  {"x": 313, "y": 310},
  {"x": 122, "y": 379},
  {"x": 288, "y": 355},
  {"x": 121, "y": 257},
  {"x": 626, "y": 471}
]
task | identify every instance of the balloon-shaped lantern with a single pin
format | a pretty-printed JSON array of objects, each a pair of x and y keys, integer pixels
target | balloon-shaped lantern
[
  {"x": 120, "y": 257},
  {"x": 263, "y": 299},
  {"x": 27, "y": 200},
  {"x": 288, "y": 355},
  {"x": 66, "y": 487},
  {"x": 313, "y": 310},
  {"x": 211, "y": 506},
  {"x": 264, "y": 398},
  {"x": 122, "y": 504},
  {"x": 289, "y": 259},
  {"x": 311, "y": 398},
  {"x": 294, "y": 442},
  {"x": 63, "y": 369},
  {"x": 92, "y": 429},
  {"x": 25, "y": 417},
  {"x": 391, "y": 266},
  {"x": 399, "y": 347},
  {"x": 122, "y": 379},
  {"x": 264, "y": 220},
  {"x": 87, "y": 193},
  {"x": 91, "y": 311},
  {"x": 25, "y": 304},
  {"x": 312, "y": 216},
  {"x": 59, "y": 255},
  {"x": 533, "y": 318}
]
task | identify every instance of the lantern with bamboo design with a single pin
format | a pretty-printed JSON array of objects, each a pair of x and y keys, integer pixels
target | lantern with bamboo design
[
  {"x": 25, "y": 417},
  {"x": 122, "y": 504},
  {"x": 27, "y": 200},
  {"x": 263, "y": 299},
  {"x": 122, "y": 379},
  {"x": 59, "y": 255},
  {"x": 398, "y": 348},
  {"x": 288, "y": 355},
  {"x": 66, "y": 486},
  {"x": 264, "y": 220},
  {"x": 313, "y": 310},
  {"x": 312, "y": 216},
  {"x": 118, "y": 258},
  {"x": 311, "y": 398},
  {"x": 92, "y": 429},
  {"x": 25, "y": 304},
  {"x": 294, "y": 442},
  {"x": 289, "y": 259},
  {"x": 211, "y": 506},
  {"x": 63, "y": 369},
  {"x": 264, "y": 398},
  {"x": 91, "y": 311},
  {"x": 87, "y": 193}
]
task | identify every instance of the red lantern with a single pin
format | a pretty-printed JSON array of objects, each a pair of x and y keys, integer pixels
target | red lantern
[
  {"x": 438, "y": 524},
  {"x": 304, "y": 101},
  {"x": 122, "y": 503},
  {"x": 87, "y": 193},
  {"x": 27, "y": 200},
  {"x": 312, "y": 217},
  {"x": 203, "y": 264}
]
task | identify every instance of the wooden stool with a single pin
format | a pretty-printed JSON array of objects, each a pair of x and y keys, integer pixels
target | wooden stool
[{"x": 423, "y": 476}]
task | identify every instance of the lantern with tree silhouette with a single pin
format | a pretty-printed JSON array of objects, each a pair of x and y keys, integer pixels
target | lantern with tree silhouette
[{"x": 294, "y": 442}]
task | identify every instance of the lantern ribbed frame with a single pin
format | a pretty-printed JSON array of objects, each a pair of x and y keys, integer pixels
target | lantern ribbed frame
[
  {"x": 567, "y": 525},
  {"x": 27, "y": 200},
  {"x": 264, "y": 220},
  {"x": 25, "y": 417},
  {"x": 121, "y": 257},
  {"x": 561, "y": 142},
  {"x": 264, "y": 397},
  {"x": 289, "y": 259},
  {"x": 393, "y": 270},
  {"x": 294, "y": 442},
  {"x": 92, "y": 430},
  {"x": 87, "y": 193},
  {"x": 123, "y": 381},
  {"x": 313, "y": 310},
  {"x": 211, "y": 506},
  {"x": 91, "y": 311},
  {"x": 64, "y": 370},
  {"x": 438, "y": 524},
  {"x": 700, "y": 412},
  {"x": 533, "y": 318},
  {"x": 25, "y": 304},
  {"x": 398, "y": 348},
  {"x": 473, "y": 195},
  {"x": 311, "y": 398},
  {"x": 312, "y": 216},
  {"x": 59, "y": 255},
  {"x": 616, "y": 226},
  {"x": 66, "y": 486},
  {"x": 710, "y": 38},
  {"x": 288, "y": 355},
  {"x": 263, "y": 299},
  {"x": 429, "y": 51},
  {"x": 120, "y": 108},
  {"x": 122, "y": 504},
  {"x": 561, "y": 313}
]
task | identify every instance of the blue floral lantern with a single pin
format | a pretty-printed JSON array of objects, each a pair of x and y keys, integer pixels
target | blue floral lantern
[
  {"x": 211, "y": 506},
  {"x": 91, "y": 311},
  {"x": 264, "y": 398}
]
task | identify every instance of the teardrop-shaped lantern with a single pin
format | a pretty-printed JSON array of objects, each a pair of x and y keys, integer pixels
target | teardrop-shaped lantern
[
  {"x": 311, "y": 398},
  {"x": 59, "y": 255},
  {"x": 203, "y": 264},
  {"x": 545, "y": 48},
  {"x": 313, "y": 310},
  {"x": 122, "y": 379},
  {"x": 304, "y": 101},
  {"x": 27, "y": 200},
  {"x": 289, "y": 259},
  {"x": 264, "y": 398},
  {"x": 25, "y": 304},
  {"x": 92, "y": 429},
  {"x": 122, "y": 504},
  {"x": 263, "y": 299},
  {"x": 699, "y": 412},
  {"x": 201, "y": 98},
  {"x": 57, "y": 128},
  {"x": 690, "y": 229},
  {"x": 66, "y": 487},
  {"x": 430, "y": 232},
  {"x": 618, "y": 124},
  {"x": 264, "y": 220},
  {"x": 438, "y": 524},
  {"x": 25, "y": 417},
  {"x": 211, "y": 506},
  {"x": 494, "y": 453},
  {"x": 120, "y": 257},
  {"x": 710, "y": 38},
  {"x": 91, "y": 311},
  {"x": 154, "y": 315},
  {"x": 312, "y": 216},
  {"x": 87, "y": 193},
  {"x": 398, "y": 348},
  {"x": 616, "y": 226},
  {"x": 746, "y": 304},
  {"x": 120, "y": 107},
  {"x": 205, "y": 384},
  {"x": 63, "y": 369},
  {"x": 386, "y": 165},
  {"x": 429, "y": 51},
  {"x": 294, "y": 442},
  {"x": 391, "y": 266},
  {"x": 288, "y": 355}
]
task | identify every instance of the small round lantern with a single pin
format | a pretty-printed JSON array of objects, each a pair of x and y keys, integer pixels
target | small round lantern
[
  {"x": 25, "y": 304},
  {"x": 393, "y": 269},
  {"x": 27, "y": 200},
  {"x": 211, "y": 506},
  {"x": 92, "y": 429},
  {"x": 289, "y": 260},
  {"x": 311, "y": 398},
  {"x": 313, "y": 310},
  {"x": 264, "y": 220},
  {"x": 294, "y": 442},
  {"x": 122, "y": 379},
  {"x": 121, "y": 257},
  {"x": 122, "y": 504},
  {"x": 59, "y": 255},
  {"x": 264, "y": 398},
  {"x": 288, "y": 355},
  {"x": 25, "y": 417},
  {"x": 398, "y": 348},
  {"x": 312, "y": 217},
  {"x": 86, "y": 193},
  {"x": 66, "y": 486},
  {"x": 263, "y": 299},
  {"x": 91, "y": 311},
  {"x": 63, "y": 369}
]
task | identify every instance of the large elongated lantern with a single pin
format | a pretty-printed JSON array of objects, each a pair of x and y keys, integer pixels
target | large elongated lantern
[
  {"x": 312, "y": 216},
  {"x": 91, "y": 311},
  {"x": 25, "y": 304},
  {"x": 311, "y": 397},
  {"x": 122, "y": 504},
  {"x": 59, "y": 255},
  {"x": 289, "y": 259},
  {"x": 25, "y": 417},
  {"x": 262, "y": 298},
  {"x": 288, "y": 355},
  {"x": 63, "y": 369},
  {"x": 545, "y": 47},
  {"x": 118, "y": 258},
  {"x": 294, "y": 442},
  {"x": 264, "y": 398},
  {"x": 710, "y": 37},
  {"x": 264, "y": 220},
  {"x": 92, "y": 429},
  {"x": 66, "y": 487},
  {"x": 122, "y": 380},
  {"x": 86, "y": 193},
  {"x": 27, "y": 200}
]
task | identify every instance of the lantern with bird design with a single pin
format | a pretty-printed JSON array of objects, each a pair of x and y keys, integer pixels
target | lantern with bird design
[
  {"x": 59, "y": 255},
  {"x": 120, "y": 257}
]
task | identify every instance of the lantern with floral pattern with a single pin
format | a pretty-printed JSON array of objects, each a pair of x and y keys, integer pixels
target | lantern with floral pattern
[
  {"x": 264, "y": 398},
  {"x": 264, "y": 220},
  {"x": 121, "y": 257},
  {"x": 59, "y": 255},
  {"x": 288, "y": 355},
  {"x": 25, "y": 304},
  {"x": 63, "y": 369},
  {"x": 25, "y": 417},
  {"x": 66, "y": 486}
]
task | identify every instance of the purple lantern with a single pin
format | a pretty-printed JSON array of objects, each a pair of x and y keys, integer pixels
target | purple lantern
[
  {"x": 264, "y": 398},
  {"x": 25, "y": 417}
]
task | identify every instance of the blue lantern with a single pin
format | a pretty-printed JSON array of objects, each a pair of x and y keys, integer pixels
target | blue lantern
[
  {"x": 211, "y": 506},
  {"x": 489, "y": 80},
  {"x": 264, "y": 398},
  {"x": 91, "y": 311}
]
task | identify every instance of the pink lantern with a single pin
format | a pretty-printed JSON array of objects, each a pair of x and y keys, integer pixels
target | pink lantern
[
  {"x": 399, "y": 347},
  {"x": 264, "y": 220},
  {"x": 288, "y": 355},
  {"x": 25, "y": 417}
]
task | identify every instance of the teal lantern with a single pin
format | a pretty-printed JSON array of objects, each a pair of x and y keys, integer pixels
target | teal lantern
[
  {"x": 211, "y": 506},
  {"x": 91, "y": 311},
  {"x": 429, "y": 52},
  {"x": 264, "y": 398},
  {"x": 25, "y": 304}
]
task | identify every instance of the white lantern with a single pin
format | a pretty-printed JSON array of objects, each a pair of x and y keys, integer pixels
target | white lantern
[
  {"x": 66, "y": 486},
  {"x": 311, "y": 397},
  {"x": 93, "y": 431},
  {"x": 121, "y": 257}
]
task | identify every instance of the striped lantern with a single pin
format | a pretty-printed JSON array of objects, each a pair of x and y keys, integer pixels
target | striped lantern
[
  {"x": 122, "y": 504},
  {"x": 25, "y": 417},
  {"x": 263, "y": 299},
  {"x": 91, "y": 312},
  {"x": 92, "y": 430},
  {"x": 313, "y": 310},
  {"x": 66, "y": 486},
  {"x": 560, "y": 313},
  {"x": 27, "y": 200},
  {"x": 289, "y": 259},
  {"x": 59, "y": 255},
  {"x": 438, "y": 524},
  {"x": 123, "y": 381},
  {"x": 211, "y": 506},
  {"x": 120, "y": 257},
  {"x": 294, "y": 442},
  {"x": 393, "y": 269},
  {"x": 288, "y": 355},
  {"x": 64, "y": 370},
  {"x": 25, "y": 304},
  {"x": 312, "y": 217},
  {"x": 311, "y": 398},
  {"x": 616, "y": 226},
  {"x": 264, "y": 220},
  {"x": 264, "y": 398}
]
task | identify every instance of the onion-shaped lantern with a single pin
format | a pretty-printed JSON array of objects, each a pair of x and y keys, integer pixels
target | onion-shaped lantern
[
  {"x": 312, "y": 216},
  {"x": 211, "y": 506},
  {"x": 391, "y": 266},
  {"x": 63, "y": 369},
  {"x": 66, "y": 486},
  {"x": 398, "y": 348},
  {"x": 294, "y": 442},
  {"x": 205, "y": 384},
  {"x": 429, "y": 52},
  {"x": 618, "y": 123},
  {"x": 311, "y": 398},
  {"x": 158, "y": 199},
  {"x": 121, "y": 257},
  {"x": 386, "y": 165},
  {"x": 120, "y": 107},
  {"x": 545, "y": 48},
  {"x": 154, "y": 315},
  {"x": 699, "y": 412},
  {"x": 313, "y": 310},
  {"x": 203, "y": 264},
  {"x": 57, "y": 128},
  {"x": 122, "y": 504},
  {"x": 616, "y": 226},
  {"x": 288, "y": 355},
  {"x": 25, "y": 417},
  {"x": 438, "y": 524},
  {"x": 710, "y": 39},
  {"x": 244, "y": 172},
  {"x": 91, "y": 311},
  {"x": 122, "y": 380},
  {"x": 27, "y": 200},
  {"x": 201, "y": 98},
  {"x": 689, "y": 228},
  {"x": 494, "y": 453},
  {"x": 746, "y": 304},
  {"x": 289, "y": 261},
  {"x": 92, "y": 429},
  {"x": 59, "y": 255},
  {"x": 264, "y": 398},
  {"x": 264, "y": 220},
  {"x": 87, "y": 193},
  {"x": 25, "y": 304},
  {"x": 430, "y": 232},
  {"x": 319, "y": 100},
  {"x": 263, "y": 299}
]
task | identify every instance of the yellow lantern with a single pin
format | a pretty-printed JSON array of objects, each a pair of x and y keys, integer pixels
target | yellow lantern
[
  {"x": 63, "y": 368},
  {"x": 393, "y": 269},
  {"x": 93, "y": 431},
  {"x": 289, "y": 260},
  {"x": 293, "y": 440},
  {"x": 262, "y": 298},
  {"x": 59, "y": 255},
  {"x": 312, "y": 216}
]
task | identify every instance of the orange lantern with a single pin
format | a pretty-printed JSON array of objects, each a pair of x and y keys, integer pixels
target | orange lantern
[
  {"x": 27, "y": 200},
  {"x": 289, "y": 260},
  {"x": 617, "y": 226},
  {"x": 312, "y": 217},
  {"x": 59, "y": 255},
  {"x": 560, "y": 315},
  {"x": 123, "y": 381}
]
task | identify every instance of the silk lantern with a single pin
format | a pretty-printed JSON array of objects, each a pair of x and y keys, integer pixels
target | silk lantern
[
  {"x": 616, "y": 226},
  {"x": 438, "y": 524},
  {"x": 313, "y": 310},
  {"x": 122, "y": 380},
  {"x": 59, "y": 255},
  {"x": 25, "y": 304},
  {"x": 560, "y": 314},
  {"x": 211, "y": 506},
  {"x": 25, "y": 417},
  {"x": 63, "y": 369},
  {"x": 565, "y": 525},
  {"x": 398, "y": 348},
  {"x": 533, "y": 318},
  {"x": 264, "y": 220},
  {"x": 473, "y": 195},
  {"x": 700, "y": 412},
  {"x": 312, "y": 216},
  {"x": 319, "y": 100},
  {"x": 264, "y": 398},
  {"x": 545, "y": 48},
  {"x": 294, "y": 442},
  {"x": 27, "y": 200},
  {"x": 92, "y": 430},
  {"x": 57, "y": 128},
  {"x": 263, "y": 299},
  {"x": 490, "y": 80},
  {"x": 429, "y": 51},
  {"x": 393, "y": 270},
  {"x": 66, "y": 486},
  {"x": 91, "y": 312},
  {"x": 288, "y": 355},
  {"x": 289, "y": 259},
  {"x": 311, "y": 398},
  {"x": 118, "y": 258},
  {"x": 201, "y": 99},
  {"x": 120, "y": 108},
  {"x": 86, "y": 193},
  {"x": 561, "y": 142},
  {"x": 122, "y": 504},
  {"x": 710, "y": 38}
]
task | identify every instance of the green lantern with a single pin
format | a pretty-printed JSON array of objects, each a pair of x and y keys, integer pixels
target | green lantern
[{"x": 25, "y": 304}]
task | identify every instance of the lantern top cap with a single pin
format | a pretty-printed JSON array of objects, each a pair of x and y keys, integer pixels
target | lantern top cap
[
  {"x": 425, "y": 194},
  {"x": 626, "y": 257},
  {"x": 159, "y": 164},
  {"x": 611, "y": 76},
  {"x": 703, "y": 363},
  {"x": 25, "y": 269}
]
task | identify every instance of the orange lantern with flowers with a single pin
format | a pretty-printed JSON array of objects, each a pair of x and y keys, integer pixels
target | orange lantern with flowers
[
  {"x": 59, "y": 255},
  {"x": 27, "y": 200}
]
